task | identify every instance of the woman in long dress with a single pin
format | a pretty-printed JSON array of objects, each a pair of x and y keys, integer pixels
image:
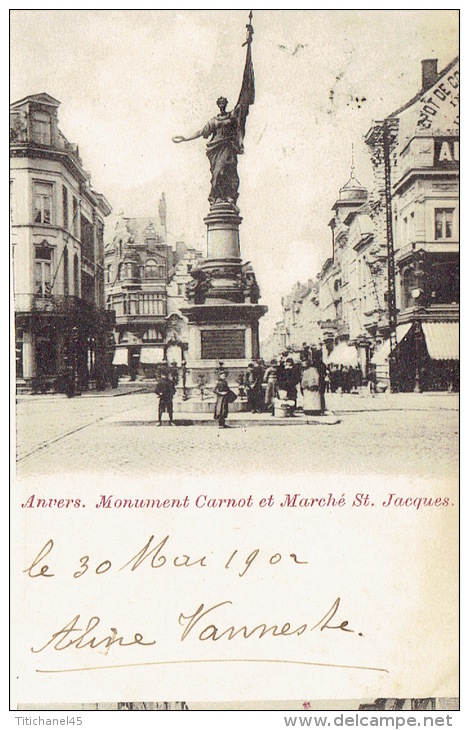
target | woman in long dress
[{"x": 312, "y": 405}]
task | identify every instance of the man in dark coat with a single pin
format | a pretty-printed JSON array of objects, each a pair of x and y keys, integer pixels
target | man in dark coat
[
  {"x": 292, "y": 377},
  {"x": 223, "y": 392},
  {"x": 165, "y": 389}
]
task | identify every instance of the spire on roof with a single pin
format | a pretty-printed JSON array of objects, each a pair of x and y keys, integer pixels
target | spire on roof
[{"x": 352, "y": 182}]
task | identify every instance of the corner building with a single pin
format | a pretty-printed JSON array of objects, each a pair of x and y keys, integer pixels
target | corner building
[
  {"x": 57, "y": 248},
  {"x": 423, "y": 137}
]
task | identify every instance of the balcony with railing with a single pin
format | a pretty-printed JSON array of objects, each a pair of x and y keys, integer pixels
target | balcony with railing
[{"x": 139, "y": 307}]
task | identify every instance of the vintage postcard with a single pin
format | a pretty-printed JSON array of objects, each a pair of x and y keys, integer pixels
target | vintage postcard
[{"x": 235, "y": 274}]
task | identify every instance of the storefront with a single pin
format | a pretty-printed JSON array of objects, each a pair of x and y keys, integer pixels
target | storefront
[{"x": 427, "y": 357}]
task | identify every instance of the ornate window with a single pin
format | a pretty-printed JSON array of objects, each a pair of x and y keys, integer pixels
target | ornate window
[
  {"x": 444, "y": 222},
  {"x": 43, "y": 269},
  {"x": 153, "y": 304},
  {"x": 151, "y": 269},
  {"x": 41, "y": 128},
  {"x": 43, "y": 203}
]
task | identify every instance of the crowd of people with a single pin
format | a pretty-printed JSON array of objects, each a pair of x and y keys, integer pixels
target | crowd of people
[
  {"x": 345, "y": 378},
  {"x": 283, "y": 380},
  {"x": 280, "y": 386}
]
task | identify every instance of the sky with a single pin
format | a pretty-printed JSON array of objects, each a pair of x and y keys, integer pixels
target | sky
[{"x": 130, "y": 80}]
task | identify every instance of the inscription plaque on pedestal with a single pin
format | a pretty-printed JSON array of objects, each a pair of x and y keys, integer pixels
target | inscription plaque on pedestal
[{"x": 223, "y": 344}]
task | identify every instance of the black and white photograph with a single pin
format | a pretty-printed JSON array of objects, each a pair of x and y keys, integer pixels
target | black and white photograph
[{"x": 234, "y": 267}]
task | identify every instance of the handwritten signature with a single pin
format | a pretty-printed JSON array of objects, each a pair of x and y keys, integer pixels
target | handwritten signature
[{"x": 199, "y": 625}]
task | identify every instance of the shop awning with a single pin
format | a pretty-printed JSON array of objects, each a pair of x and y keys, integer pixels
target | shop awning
[
  {"x": 442, "y": 340},
  {"x": 343, "y": 354},
  {"x": 151, "y": 355},
  {"x": 382, "y": 354},
  {"x": 121, "y": 356}
]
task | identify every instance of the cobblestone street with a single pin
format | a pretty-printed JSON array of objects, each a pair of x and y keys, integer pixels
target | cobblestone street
[{"x": 402, "y": 433}]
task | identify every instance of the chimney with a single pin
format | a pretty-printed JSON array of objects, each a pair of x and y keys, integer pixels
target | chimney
[{"x": 429, "y": 72}]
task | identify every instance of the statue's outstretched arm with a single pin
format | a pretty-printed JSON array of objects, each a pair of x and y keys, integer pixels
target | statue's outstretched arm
[{"x": 179, "y": 138}]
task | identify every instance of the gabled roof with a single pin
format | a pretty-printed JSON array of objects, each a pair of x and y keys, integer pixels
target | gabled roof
[{"x": 42, "y": 98}]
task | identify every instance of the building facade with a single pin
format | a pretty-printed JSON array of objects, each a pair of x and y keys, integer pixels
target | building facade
[
  {"x": 299, "y": 323},
  {"x": 339, "y": 310},
  {"x": 146, "y": 282},
  {"x": 352, "y": 292},
  {"x": 423, "y": 142},
  {"x": 57, "y": 245},
  {"x": 365, "y": 308}
]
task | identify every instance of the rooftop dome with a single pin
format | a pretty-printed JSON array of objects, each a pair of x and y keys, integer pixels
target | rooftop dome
[
  {"x": 352, "y": 190},
  {"x": 352, "y": 193}
]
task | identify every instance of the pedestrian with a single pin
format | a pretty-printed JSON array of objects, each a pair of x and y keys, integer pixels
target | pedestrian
[
  {"x": 270, "y": 377},
  {"x": 281, "y": 377},
  {"x": 225, "y": 396},
  {"x": 165, "y": 389},
  {"x": 254, "y": 379},
  {"x": 322, "y": 372},
  {"x": 292, "y": 378},
  {"x": 310, "y": 388}
]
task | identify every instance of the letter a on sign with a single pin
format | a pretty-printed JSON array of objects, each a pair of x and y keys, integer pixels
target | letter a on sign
[{"x": 445, "y": 152}]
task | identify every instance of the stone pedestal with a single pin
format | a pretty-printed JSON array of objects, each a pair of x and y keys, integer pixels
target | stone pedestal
[
  {"x": 223, "y": 313},
  {"x": 223, "y": 232}
]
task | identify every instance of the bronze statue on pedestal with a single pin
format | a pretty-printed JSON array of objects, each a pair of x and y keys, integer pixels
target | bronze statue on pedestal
[{"x": 226, "y": 132}]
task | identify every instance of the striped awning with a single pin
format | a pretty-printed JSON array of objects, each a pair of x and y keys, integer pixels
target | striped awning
[
  {"x": 121, "y": 356},
  {"x": 151, "y": 355},
  {"x": 442, "y": 340},
  {"x": 382, "y": 353},
  {"x": 343, "y": 354}
]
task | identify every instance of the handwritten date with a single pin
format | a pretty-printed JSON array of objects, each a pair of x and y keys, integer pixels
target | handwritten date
[{"x": 155, "y": 555}]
